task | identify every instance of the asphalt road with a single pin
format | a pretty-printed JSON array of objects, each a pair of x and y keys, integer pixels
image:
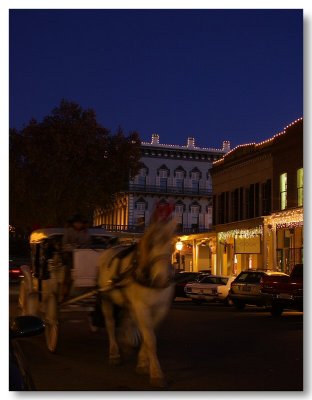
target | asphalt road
[{"x": 200, "y": 347}]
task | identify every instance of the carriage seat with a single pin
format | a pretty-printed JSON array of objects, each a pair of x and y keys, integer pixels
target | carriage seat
[{"x": 86, "y": 267}]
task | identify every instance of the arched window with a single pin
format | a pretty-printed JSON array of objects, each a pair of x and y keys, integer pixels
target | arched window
[
  {"x": 179, "y": 174},
  {"x": 142, "y": 175},
  {"x": 163, "y": 172},
  {"x": 141, "y": 205},
  {"x": 195, "y": 175},
  {"x": 179, "y": 207},
  {"x": 195, "y": 209}
]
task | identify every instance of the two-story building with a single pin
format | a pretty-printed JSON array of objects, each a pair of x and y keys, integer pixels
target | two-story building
[{"x": 258, "y": 203}]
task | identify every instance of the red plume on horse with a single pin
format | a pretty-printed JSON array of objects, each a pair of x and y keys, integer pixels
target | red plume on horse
[{"x": 162, "y": 212}]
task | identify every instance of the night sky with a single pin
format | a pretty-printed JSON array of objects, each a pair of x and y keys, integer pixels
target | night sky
[{"x": 213, "y": 74}]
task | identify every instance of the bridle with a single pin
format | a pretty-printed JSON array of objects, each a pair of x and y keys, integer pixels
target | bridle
[{"x": 142, "y": 274}]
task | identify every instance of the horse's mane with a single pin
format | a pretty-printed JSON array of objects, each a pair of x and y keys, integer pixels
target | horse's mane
[{"x": 161, "y": 221}]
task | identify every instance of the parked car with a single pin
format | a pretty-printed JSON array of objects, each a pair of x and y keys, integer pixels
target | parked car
[
  {"x": 206, "y": 289},
  {"x": 15, "y": 272},
  {"x": 284, "y": 291},
  {"x": 245, "y": 289},
  {"x": 19, "y": 376},
  {"x": 181, "y": 279},
  {"x": 223, "y": 291}
]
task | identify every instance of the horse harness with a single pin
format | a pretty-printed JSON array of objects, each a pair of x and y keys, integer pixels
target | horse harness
[{"x": 141, "y": 276}]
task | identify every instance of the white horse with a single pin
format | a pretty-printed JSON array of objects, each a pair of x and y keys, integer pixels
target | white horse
[{"x": 140, "y": 281}]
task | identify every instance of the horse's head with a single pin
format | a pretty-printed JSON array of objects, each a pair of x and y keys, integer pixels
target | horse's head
[{"x": 155, "y": 250}]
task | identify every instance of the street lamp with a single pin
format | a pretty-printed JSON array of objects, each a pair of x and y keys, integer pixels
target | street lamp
[{"x": 179, "y": 246}]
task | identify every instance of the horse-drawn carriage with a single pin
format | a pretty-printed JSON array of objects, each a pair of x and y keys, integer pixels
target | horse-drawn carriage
[
  {"x": 41, "y": 289},
  {"x": 138, "y": 278}
]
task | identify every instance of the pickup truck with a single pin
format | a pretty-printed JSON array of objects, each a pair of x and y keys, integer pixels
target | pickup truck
[{"x": 284, "y": 292}]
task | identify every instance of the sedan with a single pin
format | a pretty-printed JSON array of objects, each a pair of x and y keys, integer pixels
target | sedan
[
  {"x": 206, "y": 289},
  {"x": 223, "y": 291},
  {"x": 245, "y": 289},
  {"x": 181, "y": 279}
]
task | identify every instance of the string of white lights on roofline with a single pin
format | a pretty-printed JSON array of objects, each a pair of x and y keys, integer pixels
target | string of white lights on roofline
[
  {"x": 286, "y": 219},
  {"x": 260, "y": 143},
  {"x": 180, "y": 147}
]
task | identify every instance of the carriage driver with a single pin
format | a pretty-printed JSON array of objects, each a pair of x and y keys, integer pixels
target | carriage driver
[{"x": 76, "y": 236}]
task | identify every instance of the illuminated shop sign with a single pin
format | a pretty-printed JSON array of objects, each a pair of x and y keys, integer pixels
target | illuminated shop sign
[{"x": 250, "y": 245}]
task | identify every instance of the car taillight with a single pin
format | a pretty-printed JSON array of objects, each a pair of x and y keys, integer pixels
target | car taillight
[{"x": 15, "y": 271}]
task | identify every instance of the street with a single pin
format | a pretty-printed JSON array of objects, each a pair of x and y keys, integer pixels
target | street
[{"x": 200, "y": 347}]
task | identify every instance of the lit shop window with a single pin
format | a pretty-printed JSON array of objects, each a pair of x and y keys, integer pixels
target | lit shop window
[
  {"x": 300, "y": 186},
  {"x": 283, "y": 191}
]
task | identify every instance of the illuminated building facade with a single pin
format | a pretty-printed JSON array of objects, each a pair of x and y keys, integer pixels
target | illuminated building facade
[
  {"x": 258, "y": 203},
  {"x": 179, "y": 175}
]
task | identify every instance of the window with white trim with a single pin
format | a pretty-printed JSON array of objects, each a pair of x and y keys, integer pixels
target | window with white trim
[
  {"x": 283, "y": 191},
  {"x": 179, "y": 209},
  {"x": 194, "y": 209},
  {"x": 163, "y": 174},
  {"x": 195, "y": 175},
  {"x": 179, "y": 174},
  {"x": 194, "y": 214}
]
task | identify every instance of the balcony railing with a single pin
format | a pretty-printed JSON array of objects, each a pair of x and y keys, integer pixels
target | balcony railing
[
  {"x": 141, "y": 228},
  {"x": 169, "y": 190}
]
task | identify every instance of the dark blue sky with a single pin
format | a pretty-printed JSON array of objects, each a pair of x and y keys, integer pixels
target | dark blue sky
[{"x": 211, "y": 74}]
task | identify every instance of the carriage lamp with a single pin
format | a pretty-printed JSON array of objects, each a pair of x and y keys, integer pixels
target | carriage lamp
[{"x": 179, "y": 247}]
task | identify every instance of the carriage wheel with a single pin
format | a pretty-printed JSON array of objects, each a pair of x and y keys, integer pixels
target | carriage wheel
[{"x": 51, "y": 323}]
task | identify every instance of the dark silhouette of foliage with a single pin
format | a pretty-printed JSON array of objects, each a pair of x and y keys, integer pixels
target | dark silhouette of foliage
[{"x": 65, "y": 164}]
